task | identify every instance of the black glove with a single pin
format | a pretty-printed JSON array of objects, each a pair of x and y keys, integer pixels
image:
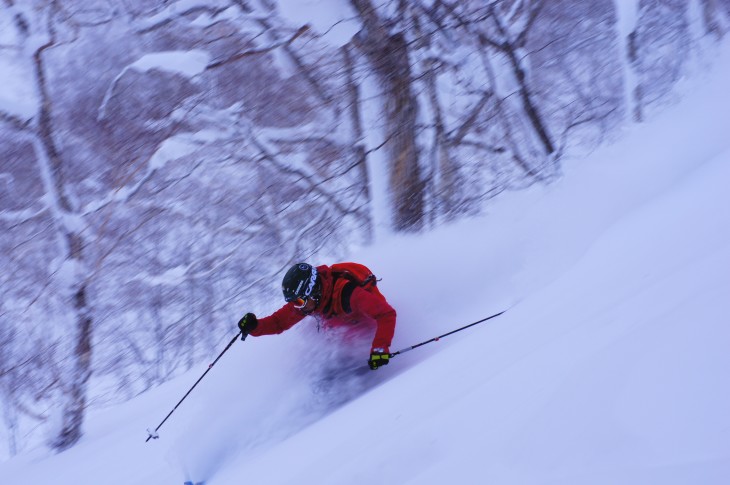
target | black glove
[
  {"x": 378, "y": 358},
  {"x": 248, "y": 324}
]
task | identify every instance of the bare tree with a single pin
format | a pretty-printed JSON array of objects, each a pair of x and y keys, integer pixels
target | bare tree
[
  {"x": 661, "y": 27},
  {"x": 63, "y": 213},
  {"x": 575, "y": 65},
  {"x": 388, "y": 53}
]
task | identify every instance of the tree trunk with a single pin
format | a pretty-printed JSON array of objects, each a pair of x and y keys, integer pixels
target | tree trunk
[
  {"x": 358, "y": 135},
  {"x": 75, "y": 389},
  {"x": 75, "y": 380},
  {"x": 388, "y": 54}
]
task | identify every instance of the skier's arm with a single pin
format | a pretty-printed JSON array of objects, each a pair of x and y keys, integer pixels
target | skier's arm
[
  {"x": 378, "y": 309},
  {"x": 282, "y": 319}
]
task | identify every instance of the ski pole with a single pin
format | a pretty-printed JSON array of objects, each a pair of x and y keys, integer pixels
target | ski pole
[
  {"x": 436, "y": 339},
  {"x": 153, "y": 434}
]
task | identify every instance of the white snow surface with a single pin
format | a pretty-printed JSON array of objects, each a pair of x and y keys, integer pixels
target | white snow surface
[{"x": 610, "y": 365}]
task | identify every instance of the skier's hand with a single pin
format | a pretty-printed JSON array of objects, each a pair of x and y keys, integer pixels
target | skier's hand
[
  {"x": 378, "y": 357},
  {"x": 247, "y": 324}
]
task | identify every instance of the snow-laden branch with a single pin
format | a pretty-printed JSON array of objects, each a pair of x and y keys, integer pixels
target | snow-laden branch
[
  {"x": 186, "y": 63},
  {"x": 171, "y": 149},
  {"x": 263, "y": 50},
  {"x": 15, "y": 121},
  {"x": 20, "y": 215},
  {"x": 302, "y": 174},
  {"x": 207, "y": 14},
  {"x": 190, "y": 63}
]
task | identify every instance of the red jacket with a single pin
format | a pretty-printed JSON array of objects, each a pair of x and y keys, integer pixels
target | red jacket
[{"x": 366, "y": 309}]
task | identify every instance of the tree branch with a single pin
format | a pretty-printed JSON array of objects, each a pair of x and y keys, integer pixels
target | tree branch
[{"x": 256, "y": 52}]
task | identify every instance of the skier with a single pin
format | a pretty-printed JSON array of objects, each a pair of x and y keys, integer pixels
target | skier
[{"x": 344, "y": 295}]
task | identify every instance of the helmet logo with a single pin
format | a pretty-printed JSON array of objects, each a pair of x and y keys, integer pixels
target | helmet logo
[{"x": 312, "y": 281}]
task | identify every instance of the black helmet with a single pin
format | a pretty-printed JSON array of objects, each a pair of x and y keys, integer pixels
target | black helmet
[{"x": 302, "y": 282}]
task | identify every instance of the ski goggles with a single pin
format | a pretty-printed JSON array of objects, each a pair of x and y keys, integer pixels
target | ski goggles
[{"x": 299, "y": 303}]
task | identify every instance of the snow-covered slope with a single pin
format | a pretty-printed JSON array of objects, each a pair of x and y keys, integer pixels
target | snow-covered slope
[{"x": 610, "y": 366}]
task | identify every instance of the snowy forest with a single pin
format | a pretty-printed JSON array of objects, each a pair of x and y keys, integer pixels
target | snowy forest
[{"x": 162, "y": 162}]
